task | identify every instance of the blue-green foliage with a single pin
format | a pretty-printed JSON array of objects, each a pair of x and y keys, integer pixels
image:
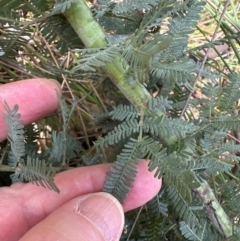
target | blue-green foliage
[
  {"x": 194, "y": 234},
  {"x": 123, "y": 172},
  {"x": 180, "y": 26},
  {"x": 123, "y": 112},
  {"x": 15, "y": 133},
  {"x": 156, "y": 208},
  {"x": 122, "y": 131},
  {"x": 34, "y": 167},
  {"x": 94, "y": 58},
  {"x": 51, "y": 25},
  {"x": 231, "y": 91},
  {"x": 62, "y": 5},
  {"x": 150, "y": 40},
  {"x": 63, "y": 148},
  {"x": 181, "y": 150},
  {"x": 183, "y": 208},
  {"x": 231, "y": 193},
  {"x": 38, "y": 172},
  {"x": 160, "y": 104}
]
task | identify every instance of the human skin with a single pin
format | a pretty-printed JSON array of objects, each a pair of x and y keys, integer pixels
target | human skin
[
  {"x": 36, "y": 98},
  {"x": 29, "y": 212}
]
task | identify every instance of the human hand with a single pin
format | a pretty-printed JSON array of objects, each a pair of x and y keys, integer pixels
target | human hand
[{"x": 80, "y": 211}]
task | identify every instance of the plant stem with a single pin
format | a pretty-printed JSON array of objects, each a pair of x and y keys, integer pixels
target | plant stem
[
  {"x": 6, "y": 168},
  {"x": 92, "y": 35},
  {"x": 216, "y": 214}
]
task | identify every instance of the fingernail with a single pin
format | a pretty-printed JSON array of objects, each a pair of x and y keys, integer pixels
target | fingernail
[{"x": 104, "y": 212}]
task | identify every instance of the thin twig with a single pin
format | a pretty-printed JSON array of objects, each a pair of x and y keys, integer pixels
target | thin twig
[
  {"x": 99, "y": 98},
  {"x": 204, "y": 60},
  {"x": 6, "y": 168},
  {"x": 234, "y": 138},
  {"x": 135, "y": 221}
]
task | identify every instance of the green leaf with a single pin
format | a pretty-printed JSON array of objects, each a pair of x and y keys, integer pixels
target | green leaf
[
  {"x": 15, "y": 132},
  {"x": 121, "y": 176},
  {"x": 37, "y": 172},
  {"x": 98, "y": 57},
  {"x": 122, "y": 131}
]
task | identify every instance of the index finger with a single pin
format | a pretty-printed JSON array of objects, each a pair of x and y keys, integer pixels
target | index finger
[{"x": 36, "y": 99}]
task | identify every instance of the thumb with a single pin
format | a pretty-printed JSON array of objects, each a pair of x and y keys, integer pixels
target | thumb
[{"x": 96, "y": 216}]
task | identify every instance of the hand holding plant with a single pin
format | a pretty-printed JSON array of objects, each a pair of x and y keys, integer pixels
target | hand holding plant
[{"x": 80, "y": 211}]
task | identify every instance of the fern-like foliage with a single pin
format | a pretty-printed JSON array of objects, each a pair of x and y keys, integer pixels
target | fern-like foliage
[
  {"x": 169, "y": 166},
  {"x": 65, "y": 113},
  {"x": 15, "y": 133},
  {"x": 62, "y": 5},
  {"x": 231, "y": 195},
  {"x": 180, "y": 26},
  {"x": 160, "y": 47},
  {"x": 63, "y": 148},
  {"x": 159, "y": 104},
  {"x": 37, "y": 171},
  {"x": 231, "y": 92},
  {"x": 183, "y": 209},
  {"x": 122, "y": 131},
  {"x": 33, "y": 170},
  {"x": 212, "y": 140},
  {"x": 156, "y": 126},
  {"x": 13, "y": 32},
  {"x": 189, "y": 233},
  {"x": 127, "y": 6},
  {"x": 156, "y": 208},
  {"x": 123, "y": 112},
  {"x": 146, "y": 147},
  {"x": 211, "y": 91},
  {"x": 16, "y": 33},
  {"x": 155, "y": 16},
  {"x": 176, "y": 72},
  {"x": 55, "y": 26},
  {"x": 226, "y": 122},
  {"x": 205, "y": 233},
  {"x": 122, "y": 174},
  {"x": 163, "y": 164},
  {"x": 149, "y": 40},
  {"x": 140, "y": 58},
  {"x": 94, "y": 58},
  {"x": 217, "y": 153},
  {"x": 167, "y": 126},
  {"x": 138, "y": 61},
  {"x": 210, "y": 165},
  {"x": 225, "y": 99},
  {"x": 152, "y": 231},
  {"x": 171, "y": 63}
]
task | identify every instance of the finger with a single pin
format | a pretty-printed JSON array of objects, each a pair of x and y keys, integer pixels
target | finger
[
  {"x": 31, "y": 204},
  {"x": 97, "y": 216},
  {"x": 36, "y": 98}
]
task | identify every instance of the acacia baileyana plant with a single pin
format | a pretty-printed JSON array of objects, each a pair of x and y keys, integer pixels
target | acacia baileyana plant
[{"x": 140, "y": 50}]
